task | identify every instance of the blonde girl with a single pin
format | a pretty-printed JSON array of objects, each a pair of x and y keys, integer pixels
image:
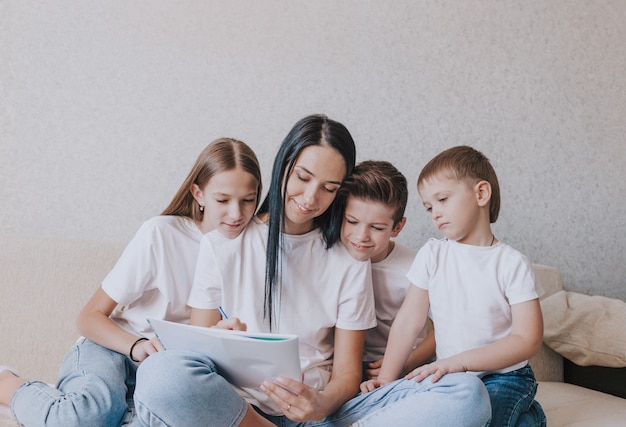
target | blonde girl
[{"x": 152, "y": 278}]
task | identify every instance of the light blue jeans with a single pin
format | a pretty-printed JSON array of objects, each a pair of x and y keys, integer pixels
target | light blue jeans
[
  {"x": 181, "y": 389},
  {"x": 92, "y": 390}
]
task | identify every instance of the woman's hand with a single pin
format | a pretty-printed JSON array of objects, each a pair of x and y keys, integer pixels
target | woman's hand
[{"x": 299, "y": 401}]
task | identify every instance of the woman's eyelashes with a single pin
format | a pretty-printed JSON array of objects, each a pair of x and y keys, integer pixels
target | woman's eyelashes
[{"x": 305, "y": 178}]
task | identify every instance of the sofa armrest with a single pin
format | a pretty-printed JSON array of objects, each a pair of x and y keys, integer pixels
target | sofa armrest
[
  {"x": 43, "y": 285},
  {"x": 548, "y": 364},
  {"x": 548, "y": 278}
]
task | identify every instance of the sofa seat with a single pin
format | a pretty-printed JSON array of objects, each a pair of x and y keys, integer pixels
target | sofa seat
[
  {"x": 575, "y": 406},
  {"x": 5, "y": 417},
  {"x": 45, "y": 282}
]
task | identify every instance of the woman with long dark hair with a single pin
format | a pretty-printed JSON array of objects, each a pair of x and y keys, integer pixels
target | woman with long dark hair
[{"x": 285, "y": 273}]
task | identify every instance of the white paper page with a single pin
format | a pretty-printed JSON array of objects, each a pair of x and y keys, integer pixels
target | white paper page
[{"x": 245, "y": 359}]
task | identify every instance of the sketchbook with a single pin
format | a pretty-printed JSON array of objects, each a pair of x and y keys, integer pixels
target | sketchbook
[{"x": 245, "y": 359}]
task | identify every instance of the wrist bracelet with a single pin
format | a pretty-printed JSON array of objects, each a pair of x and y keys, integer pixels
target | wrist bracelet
[{"x": 130, "y": 353}]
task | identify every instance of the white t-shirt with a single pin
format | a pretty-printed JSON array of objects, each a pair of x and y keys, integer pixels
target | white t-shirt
[
  {"x": 390, "y": 287},
  {"x": 471, "y": 290},
  {"x": 154, "y": 275},
  {"x": 321, "y": 289}
]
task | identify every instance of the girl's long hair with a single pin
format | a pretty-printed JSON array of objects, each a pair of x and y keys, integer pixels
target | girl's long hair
[
  {"x": 311, "y": 130},
  {"x": 221, "y": 155}
]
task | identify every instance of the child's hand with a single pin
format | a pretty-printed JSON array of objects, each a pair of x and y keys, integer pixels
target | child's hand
[
  {"x": 232, "y": 323},
  {"x": 373, "y": 369},
  {"x": 371, "y": 385},
  {"x": 147, "y": 347},
  {"x": 437, "y": 369}
]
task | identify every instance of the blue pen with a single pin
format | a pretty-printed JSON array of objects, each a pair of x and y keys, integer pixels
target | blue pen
[{"x": 222, "y": 312}]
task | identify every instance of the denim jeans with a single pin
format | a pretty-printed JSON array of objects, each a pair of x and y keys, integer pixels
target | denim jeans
[
  {"x": 512, "y": 399},
  {"x": 184, "y": 389},
  {"x": 91, "y": 391}
]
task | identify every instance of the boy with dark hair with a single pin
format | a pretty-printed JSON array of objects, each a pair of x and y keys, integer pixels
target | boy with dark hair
[{"x": 375, "y": 197}]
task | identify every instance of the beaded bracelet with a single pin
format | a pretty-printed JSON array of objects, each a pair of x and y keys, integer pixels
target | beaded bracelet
[{"x": 130, "y": 353}]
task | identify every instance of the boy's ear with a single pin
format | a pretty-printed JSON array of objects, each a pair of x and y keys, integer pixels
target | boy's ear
[
  {"x": 483, "y": 193},
  {"x": 398, "y": 227}
]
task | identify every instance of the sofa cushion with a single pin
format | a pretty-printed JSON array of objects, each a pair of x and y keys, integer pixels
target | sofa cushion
[
  {"x": 588, "y": 330},
  {"x": 571, "y": 405},
  {"x": 5, "y": 416}
]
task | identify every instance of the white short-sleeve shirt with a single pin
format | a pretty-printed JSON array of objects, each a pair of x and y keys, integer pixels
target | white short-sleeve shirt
[
  {"x": 154, "y": 274},
  {"x": 471, "y": 290},
  {"x": 390, "y": 287},
  {"x": 321, "y": 289}
]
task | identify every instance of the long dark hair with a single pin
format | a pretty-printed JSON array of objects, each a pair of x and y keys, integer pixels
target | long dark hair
[{"x": 312, "y": 130}]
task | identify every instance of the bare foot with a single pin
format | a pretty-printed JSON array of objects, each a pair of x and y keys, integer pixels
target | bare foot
[{"x": 9, "y": 383}]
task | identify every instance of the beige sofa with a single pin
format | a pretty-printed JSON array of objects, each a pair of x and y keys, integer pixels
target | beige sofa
[{"x": 44, "y": 282}]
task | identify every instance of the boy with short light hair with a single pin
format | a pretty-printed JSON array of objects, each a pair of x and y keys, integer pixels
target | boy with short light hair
[
  {"x": 479, "y": 292},
  {"x": 375, "y": 198}
]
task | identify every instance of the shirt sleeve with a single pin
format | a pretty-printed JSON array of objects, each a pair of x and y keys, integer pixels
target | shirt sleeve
[
  {"x": 356, "y": 309},
  {"x": 420, "y": 271},
  {"x": 134, "y": 272},
  {"x": 206, "y": 292},
  {"x": 521, "y": 284}
]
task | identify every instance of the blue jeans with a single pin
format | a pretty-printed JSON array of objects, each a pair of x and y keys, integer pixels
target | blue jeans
[
  {"x": 184, "y": 389},
  {"x": 91, "y": 391},
  {"x": 512, "y": 399}
]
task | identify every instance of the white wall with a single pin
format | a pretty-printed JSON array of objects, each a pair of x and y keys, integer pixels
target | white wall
[{"x": 104, "y": 106}]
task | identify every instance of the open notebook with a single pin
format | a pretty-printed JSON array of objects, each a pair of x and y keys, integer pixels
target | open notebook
[{"x": 245, "y": 359}]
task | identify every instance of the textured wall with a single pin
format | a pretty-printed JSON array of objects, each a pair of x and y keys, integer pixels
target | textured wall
[{"x": 104, "y": 106}]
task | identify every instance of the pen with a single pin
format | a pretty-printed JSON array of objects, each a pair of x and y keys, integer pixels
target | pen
[{"x": 222, "y": 312}]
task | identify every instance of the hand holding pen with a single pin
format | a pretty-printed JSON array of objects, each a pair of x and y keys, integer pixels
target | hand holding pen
[{"x": 233, "y": 324}]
